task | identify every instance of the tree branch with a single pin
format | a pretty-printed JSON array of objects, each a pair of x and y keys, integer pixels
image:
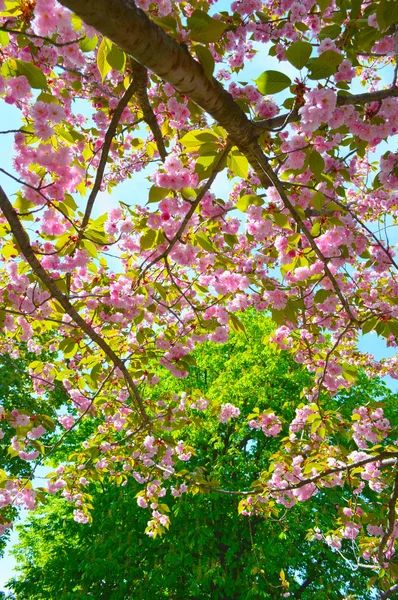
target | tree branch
[
  {"x": 312, "y": 574},
  {"x": 27, "y": 250},
  {"x": 390, "y": 519},
  {"x": 389, "y": 593},
  {"x": 149, "y": 45},
  {"x": 275, "y": 122},
  {"x": 141, "y": 77},
  {"x": 40, "y": 37},
  {"x": 125, "y": 99},
  {"x": 387, "y": 459},
  {"x": 268, "y": 177}
]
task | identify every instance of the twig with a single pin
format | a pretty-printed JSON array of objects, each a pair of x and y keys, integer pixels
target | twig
[
  {"x": 16, "y": 131},
  {"x": 40, "y": 37},
  {"x": 386, "y": 458},
  {"x": 312, "y": 575},
  {"x": 28, "y": 185},
  {"x": 389, "y": 593}
]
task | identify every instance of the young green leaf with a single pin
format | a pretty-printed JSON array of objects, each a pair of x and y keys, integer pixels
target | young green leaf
[
  {"x": 206, "y": 60},
  {"x": 299, "y": 53},
  {"x": 272, "y": 82}
]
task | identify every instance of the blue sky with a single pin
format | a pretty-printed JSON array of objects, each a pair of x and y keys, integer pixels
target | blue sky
[{"x": 131, "y": 191}]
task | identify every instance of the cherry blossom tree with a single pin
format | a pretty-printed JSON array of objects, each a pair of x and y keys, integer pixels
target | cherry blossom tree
[{"x": 304, "y": 234}]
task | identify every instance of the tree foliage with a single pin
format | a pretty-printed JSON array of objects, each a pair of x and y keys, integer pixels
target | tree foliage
[
  {"x": 16, "y": 389},
  {"x": 209, "y": 552}
]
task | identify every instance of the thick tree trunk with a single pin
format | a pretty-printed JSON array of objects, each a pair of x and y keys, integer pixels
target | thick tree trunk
[{"x": 130, "y": 28}]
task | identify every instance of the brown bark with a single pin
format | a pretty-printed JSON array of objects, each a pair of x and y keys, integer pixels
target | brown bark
[
  {"x": 130, "y": 28},
  {"x": 390, "y": 519},
  {"x": 141, "y": 77}
]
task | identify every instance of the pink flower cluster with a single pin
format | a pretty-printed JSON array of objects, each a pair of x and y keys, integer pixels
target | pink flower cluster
[
  {"x": 300, "y": 420},
  {"x": 163, "y": 7},
  {"x": 174, "y": 176},
  {"x": 18, "y": 88},
  {"x": 318, "y": 108},
  {"x": 284, "y": 478},
  {"x": 228, "y": 411},
  {"x": 66, "y": 421},
  {"x": 369, "y": 426},
  {"x": 268, "y": 422}
]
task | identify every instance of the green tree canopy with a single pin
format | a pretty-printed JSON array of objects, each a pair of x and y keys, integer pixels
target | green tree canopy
[{"x": 210, "y": 552}]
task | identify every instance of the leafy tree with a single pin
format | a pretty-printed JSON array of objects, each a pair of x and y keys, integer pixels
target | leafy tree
[
  {"x": 16, "y": 389},
  {"x": 209, "y": 552}
]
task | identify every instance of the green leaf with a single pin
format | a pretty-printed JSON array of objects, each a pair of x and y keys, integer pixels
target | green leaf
[
  {"x": 350, "y": 373},
  {"x": 47, "y": 98},
  {"x": 323, "y": 4},
  {"x": 156, "y": 194},
  {"x": 247, "y": 200},
  {"x": 334, "y": 206},
  {"x": 318, "y": 200},
  {"x": 331, "y": 31},
  {"x": 167, "y": 23},
  {"x": 91, "y": 249},
  {"x": 88, "y": 44},
  {"x": 204, "y": 28},
  {"x": 4, "y": 38},
  {"x": 76, "y": 22},
  {"x": 238, "y": 164},
  {"x": 272, "y": 82},
  {"x": 316, "y": 424},
  {"x": 393, "y": 326},
  {"x": 103, "y": 66},
  {"x": 369, "y": 325},
  {"x": 316, "y": 162},
  {"x": 231, "y": 239},
  {"x": 33, "y": 74},
  {"x": 278, "y": 316},
  {"x": 147, "y": 239},
  {"x": 387, "y": 13},
  {"x": 298, "y": 54},
  {"x": 116, "y": 58},
  {"x": 325, "y": 65},
  {"x": 281, "y": 220},
  {"x": 204, "y": 242},
  {"x": 206, "y": 60},
  {"x": 236, "y": 324},
  {"x": 321, "y": 295},
  {"x": 69, "y": 201},
  {"x": 206, "y": 159},
  {"x": 195, "y": 139},
  {"x": 70, "y": 349}
]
